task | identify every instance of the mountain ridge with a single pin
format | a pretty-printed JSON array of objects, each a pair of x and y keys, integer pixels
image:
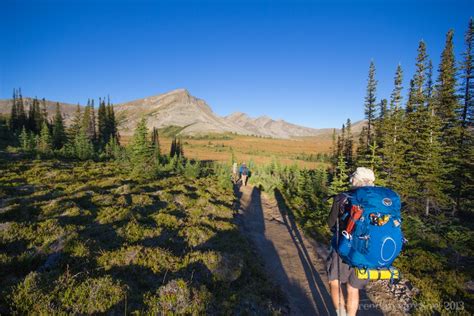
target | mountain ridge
[{"x": 179, "y": 108}]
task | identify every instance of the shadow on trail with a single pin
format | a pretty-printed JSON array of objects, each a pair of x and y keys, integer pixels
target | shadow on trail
[
  {"x": 319, "y": 301},
  {"x": 319, "y": 292}
]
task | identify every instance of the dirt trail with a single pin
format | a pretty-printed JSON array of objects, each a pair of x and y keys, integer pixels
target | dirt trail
[{"x": 294, "y": 262}]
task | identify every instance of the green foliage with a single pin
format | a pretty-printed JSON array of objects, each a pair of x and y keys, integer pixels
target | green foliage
[
  {"x": 59, "y": 135},
  {"x": 43, "y": 294},
  {"x": 44, "y": 145},
  {"x": 82, "y": 148},
  {"x": 370, "y": 102},
  {"x": 340, "y": 181}
]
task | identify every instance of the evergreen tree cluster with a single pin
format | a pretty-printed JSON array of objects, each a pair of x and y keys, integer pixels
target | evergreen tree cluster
[
  {"x": 36, "y": 132},
  {"x": 424, "y": 149},
  {"x": 176, "y": 148}
]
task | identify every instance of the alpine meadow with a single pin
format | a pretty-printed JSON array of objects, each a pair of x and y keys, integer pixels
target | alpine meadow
[{"x": 143, "y": 207}]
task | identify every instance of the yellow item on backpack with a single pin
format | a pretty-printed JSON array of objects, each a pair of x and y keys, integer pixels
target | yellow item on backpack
[{"x": 377, "y": 274}]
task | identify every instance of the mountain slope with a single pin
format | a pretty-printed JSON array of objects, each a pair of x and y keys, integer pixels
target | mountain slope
[
  {"x": 176, "y": 108},
  {"x": 266, "y": 126}
]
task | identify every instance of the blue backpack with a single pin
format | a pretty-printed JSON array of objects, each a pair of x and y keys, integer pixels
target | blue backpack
[{"x": 370, "y": 236}]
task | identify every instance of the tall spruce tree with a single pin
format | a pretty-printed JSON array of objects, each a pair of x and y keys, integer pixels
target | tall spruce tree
[
  {"x": 341, "y": 141},
  {"x": 13, "y": 123},
  {"x": 76, "y": 124},
  {"x": 423, "y": 158},
  {"x": 35, "y": 121},
  {"x": 22, "y": 120},
  {"x": 414, "y": 128},
  {"x": 141, "y": 151},
  {"x": 103, "y": 124},
  {"x": 447, "y": 109},
  {"x": 349, "y": 146},
  {"x": 44, "y": 143},
  {"x": 111, "y": 122},
  {"x": 393, "y": 148},
  {"x": 370, "y": 103},
  {"x": 93, "y": 130},
  {"x": 464, "y": 184},
  {"x": 155, "y": 142},
  {"x": 59, "y": 135}
]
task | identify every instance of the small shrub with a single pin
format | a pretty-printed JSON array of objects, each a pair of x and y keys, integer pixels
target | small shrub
[{"x": 176, "y": 297}]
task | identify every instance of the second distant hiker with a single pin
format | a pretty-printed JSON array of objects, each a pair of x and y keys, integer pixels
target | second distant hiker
[
  {"x": 235, "y": 177},
  {"x": 244, "y": 173}
]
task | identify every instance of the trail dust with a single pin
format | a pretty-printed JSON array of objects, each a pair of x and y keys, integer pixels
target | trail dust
[{"x": 295, "y": 263}]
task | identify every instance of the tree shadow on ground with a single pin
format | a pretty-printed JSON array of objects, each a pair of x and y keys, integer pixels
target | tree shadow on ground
[
  {"x": 254, "y": 225},
  {"x": 318, "y": 288}
]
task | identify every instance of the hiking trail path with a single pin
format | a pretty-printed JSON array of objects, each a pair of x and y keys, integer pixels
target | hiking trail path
[{"x": 295, "y": 263}]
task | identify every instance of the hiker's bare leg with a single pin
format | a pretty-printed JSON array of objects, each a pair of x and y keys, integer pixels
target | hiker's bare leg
[
  {"x": 336, "y": 295},
  {"x": 352, "y": 300},
  {"x": 244, "y": 180}
]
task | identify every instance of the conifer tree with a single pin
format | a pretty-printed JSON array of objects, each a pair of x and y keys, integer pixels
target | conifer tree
[
  {"x": 24, "y": 140},
  {"x": 59, "y": 135},
  {"x": 393, "y": 148},
  {"x": 103, "y": 124},
  {"x": 141, "y": 151},
  {"x": 362, "y": 147},
  {"x": 380, "y": 123},
  {"x": 13, "y": 123},
  {"x": 173, "y": 149},
  {"x": 349, "y": 145},
  {"x": 34, "y": 117},
  {"x": 447, "y": 108},
  {"x": 76, "y": 124},
  {"x": 340, "y": 181},
  {"x": 44, "y": 112},
  {"x": 414, "y": 128},
  {"x": 341, "y": 141},
  {"x": 88, "y": 121},
  {"x": 425, "y": 182},
  {"x": 44, "y": 142},
  {"x": 111, "y": 122},
  {"x": 464, "y": 184},
  {"x": 333, "y": 155},
  {"x": 155, "y": 141},
  {"x": 22, "y": 121},
  {"x": 93, "y": 130},
  {"x": 370, "y": 102},
  {"x": 83, "y": 147}
]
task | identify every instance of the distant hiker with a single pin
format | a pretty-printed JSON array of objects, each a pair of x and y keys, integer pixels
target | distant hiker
[
  {"x": 338, "y": 271},
  {"x": 244, "y": 173},
  {"x": 235, "y": 177}
]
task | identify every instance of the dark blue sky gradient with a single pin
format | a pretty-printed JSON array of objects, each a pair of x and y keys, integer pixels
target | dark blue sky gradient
[{"x": 303, "y": 61}]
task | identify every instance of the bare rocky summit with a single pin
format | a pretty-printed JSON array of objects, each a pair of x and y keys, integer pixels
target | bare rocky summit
[{"x": 193, "y": 115}]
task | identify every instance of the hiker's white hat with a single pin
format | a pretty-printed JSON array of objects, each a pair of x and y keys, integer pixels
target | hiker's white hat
[{"x": 363, "y": 175}]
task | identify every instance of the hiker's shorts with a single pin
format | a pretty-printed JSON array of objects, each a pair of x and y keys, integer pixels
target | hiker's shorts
[{"x": 346, "y": 273}]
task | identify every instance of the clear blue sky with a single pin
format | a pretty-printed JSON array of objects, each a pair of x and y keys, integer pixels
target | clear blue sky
[{"x": 303, "y": 61}]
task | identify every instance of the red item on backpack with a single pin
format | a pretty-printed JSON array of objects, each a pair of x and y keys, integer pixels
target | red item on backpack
[{"x": 356, "y": 213}]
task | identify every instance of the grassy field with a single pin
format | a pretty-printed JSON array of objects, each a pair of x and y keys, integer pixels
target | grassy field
[
  {"x": 246, "y": 148},
  {"x": 81, "y": 237}
]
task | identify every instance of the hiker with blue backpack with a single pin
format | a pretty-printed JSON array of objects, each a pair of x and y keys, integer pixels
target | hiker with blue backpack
[
  {"x": 244, "y": 173},
  {"x": 367, "y": 238}
]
